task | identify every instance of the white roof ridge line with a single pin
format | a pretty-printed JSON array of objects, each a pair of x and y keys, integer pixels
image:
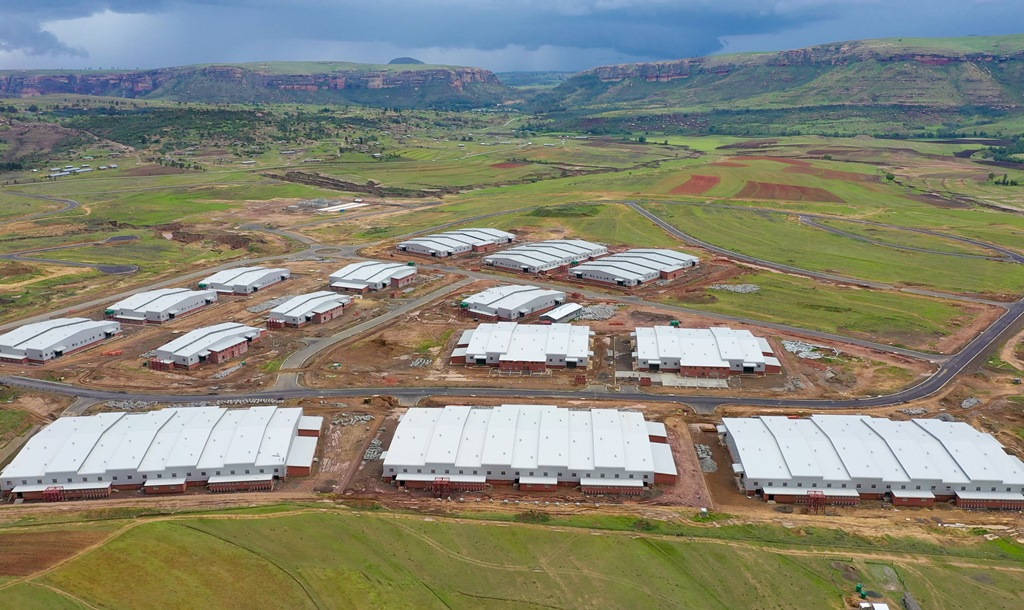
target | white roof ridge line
[
  {"x": 152, "y": 438},
  {"x": 864, "y": 421},
  {"x": 834, "y": 449},
  {"x": 778, "y": 446},
  {"x": 942, "y": 444},
  {"x": 96, "y": 443},
  {"x": 209, "y": 435}
]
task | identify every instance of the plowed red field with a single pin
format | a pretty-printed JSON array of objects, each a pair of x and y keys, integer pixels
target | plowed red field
[
  {"x": 696, "y": 185},
  {"x": 788, "y": 192}
]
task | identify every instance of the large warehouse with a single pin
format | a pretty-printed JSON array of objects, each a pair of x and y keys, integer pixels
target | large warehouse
[
  {"x": 538, "y": 447},
  {"x": 163, "y": 451},
  {"x": 217, "y": 343},
  {"x": 372, "y": 275},
  {"x": 316, "y": 307},
  {"x": 848, "y": 457},
  {"x": 244, "y": 280},
  {"x": 703, "y": 352},
  {"x": 546, "y": 256},
  {"x": 452, "y": 243},
  {"x": 42, "y": 341},
  {"x": 525, "y": 347},
  {"x": 512, "y": 302},
  {"x": 160, "y": 305},
  {"x": 635, "y": 267}
]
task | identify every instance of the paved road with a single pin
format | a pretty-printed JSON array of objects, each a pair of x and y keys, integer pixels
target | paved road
[
  {"x": 288, "y": 376},
  {"x": 26, "y": 255},
  {"x": 69, "y": 204}
]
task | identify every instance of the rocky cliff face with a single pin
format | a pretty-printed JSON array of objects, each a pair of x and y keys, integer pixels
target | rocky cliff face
[
  {"x": 824, "y": 55},
  {"x": 150, "y": 82}
]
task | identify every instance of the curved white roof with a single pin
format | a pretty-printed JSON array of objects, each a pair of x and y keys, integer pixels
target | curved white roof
[
  {"x": 522, "y": 437},
  {"x": 846, "y": 448}
]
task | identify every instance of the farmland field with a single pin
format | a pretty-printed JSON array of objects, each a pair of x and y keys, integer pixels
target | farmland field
[{"x": 318, "y": 558}]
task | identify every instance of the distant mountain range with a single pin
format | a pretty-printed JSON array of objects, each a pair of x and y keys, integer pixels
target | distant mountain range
[
  {"x": 915, "y": 80},
  {"x": 889, "y": 84},
  {"x": 401, "y": 85}
]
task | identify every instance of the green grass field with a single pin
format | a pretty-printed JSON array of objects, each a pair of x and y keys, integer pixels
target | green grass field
[
  {"x": 372, "y": 559},
  {"x": 784, "y": 239},
  {"x": 886, "y": 317}
]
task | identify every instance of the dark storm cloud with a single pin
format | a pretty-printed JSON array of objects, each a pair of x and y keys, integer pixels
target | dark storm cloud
[
  {"x": 650, "y": 28},
  {"x": 539, "y": 34}
]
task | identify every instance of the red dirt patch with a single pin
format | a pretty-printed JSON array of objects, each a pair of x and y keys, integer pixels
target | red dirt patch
[
  {"x": 29, "y": 552},
  {"x": 785, "y": 160},
  {"x": 152, "y": 170},
  {"x": 790, "y": 192},
  {"x": 696, "y": 185},
  {"x": 507, "y": 165},
  {"x": 727, "y": 164},
  {"x": 831, "y": 174}
]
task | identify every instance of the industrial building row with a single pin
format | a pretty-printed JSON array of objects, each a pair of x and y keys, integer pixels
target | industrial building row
[
  {"x": 453, "y": 243},
  {"x": 42, "y": 341},
  {"x": 537, "y": 447},
  {"x": 692, "y": 352},
  {"x": 163, "y": 451},
  {"x": 841, "y": 459},
  {"x": 588, "y": 261}
]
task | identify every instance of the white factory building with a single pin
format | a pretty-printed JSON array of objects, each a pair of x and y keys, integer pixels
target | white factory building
[
  {"x": 317, "y": 307},
  {"x": 244, "y": 280},
  {"x": 703, "y": 352},
  {"x": 512, "y": 302},
  {"x": 635, "y": 267},
  {"x": 525, "y": 347},
  {"x": 538, "y": 447},
  {"x": 42, "y": 341},
  {"x": 217, "y": 343},
  {"x": 372, "y": 275},
  {"x": 163, "y": 451},
  {"x": 545, "y": 256},
  {"x": 160, "y": 305},
  {"x": 851, "y": 457},
  {"x": 453, "y": 243}
]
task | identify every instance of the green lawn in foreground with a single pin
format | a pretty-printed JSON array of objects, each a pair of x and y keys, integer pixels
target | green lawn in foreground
[
  {"x": 783, "y": 239},
  {"x": 886, "y": 317},
  {"x": 337, "y": 560},
  {"x": 343, "y": 559}
]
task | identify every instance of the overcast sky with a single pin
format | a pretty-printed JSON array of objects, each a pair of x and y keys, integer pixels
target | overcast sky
[{"x": 501, "y": 35}]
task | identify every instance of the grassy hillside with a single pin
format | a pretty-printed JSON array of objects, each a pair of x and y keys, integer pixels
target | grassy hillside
[{"x": 905, "y": 86}]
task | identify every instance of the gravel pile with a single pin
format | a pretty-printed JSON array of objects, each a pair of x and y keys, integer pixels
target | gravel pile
[
  {"x": 914, "y": 411},
  {"x": 707, "y": 463},
  {"x": 805, "y": 350},
  {"x": 970, "y": 403},
  {"x": 374, "y": 451},
  {"x": 597, "y": 312},
  {"x": 737, "y": 288},
  {"x": 129, "y": 405},
  {"x": 226, "y": 372},
  {"x": 351, "y": 420}
]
